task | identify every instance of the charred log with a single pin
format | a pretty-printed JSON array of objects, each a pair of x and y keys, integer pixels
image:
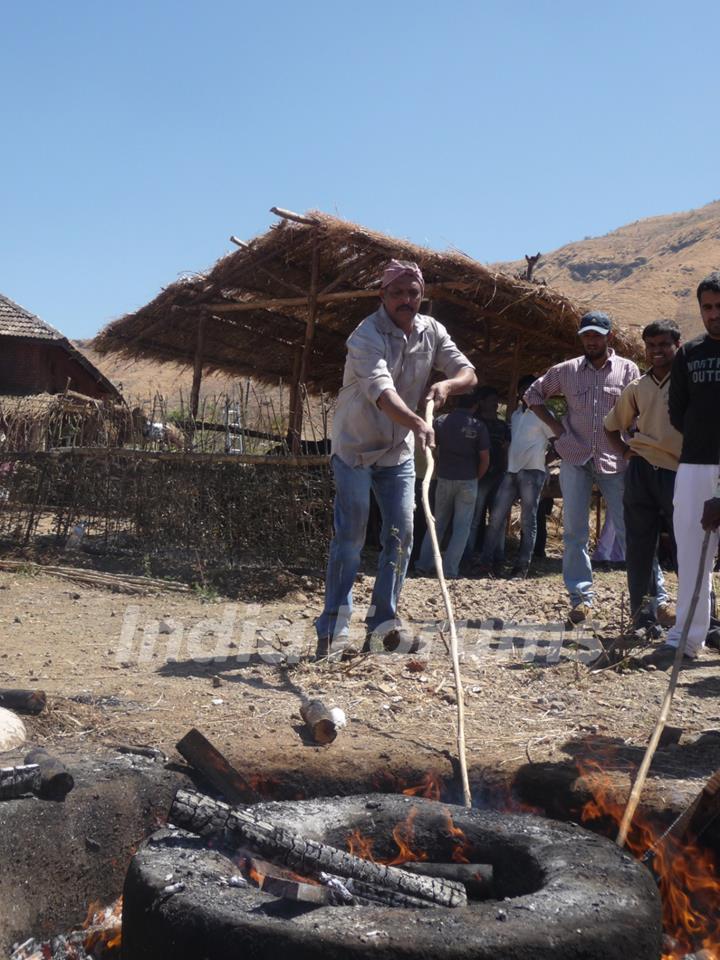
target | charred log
[
  {"x": 56, "y": 781},
  {"x": 214, "y": 820},
  {"x": 23, "y": 701},
  {"x": 207, "y": 760},
  {"x": 16, "y": 781}
]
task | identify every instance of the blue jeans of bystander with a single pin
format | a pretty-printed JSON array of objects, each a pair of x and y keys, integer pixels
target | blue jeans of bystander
[
  {"x": 526, "y": 484},
  {"x": 454, "y": 503},
  {"x": 576, "y": 483}
]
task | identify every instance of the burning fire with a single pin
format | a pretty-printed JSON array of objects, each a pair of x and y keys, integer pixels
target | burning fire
[
  {"x": 99, "y": 936},
  {"x": 431, "y": 787},
  {"x": 687, "y": 875},
  {"x": 404, "y": 837},
  {"x": 103, "y": 926},
  {"x": 462, "y": 846}
]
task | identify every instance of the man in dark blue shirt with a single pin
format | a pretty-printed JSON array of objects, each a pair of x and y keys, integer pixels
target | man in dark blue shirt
[{"x": 463, "y": 459}]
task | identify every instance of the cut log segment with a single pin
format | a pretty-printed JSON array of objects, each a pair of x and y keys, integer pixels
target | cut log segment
[
  {"x": 56, "y": 781},
  {"x": 24, "y": 701},
  {"x": 16, "y": 781},
  {"x": 477, "y": 877},
  {"x": 320, "y": 721},
  {"x": 207, "y": 760},
  {"x": 216, "y": 821}
]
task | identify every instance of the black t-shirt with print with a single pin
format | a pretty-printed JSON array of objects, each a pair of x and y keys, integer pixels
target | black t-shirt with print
[{"x": 694, "y": 399}]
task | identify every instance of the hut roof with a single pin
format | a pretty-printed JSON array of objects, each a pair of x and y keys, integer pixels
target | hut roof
[
  {"x": 21, "y": 324},
  {"x": 255, "y": 304}
]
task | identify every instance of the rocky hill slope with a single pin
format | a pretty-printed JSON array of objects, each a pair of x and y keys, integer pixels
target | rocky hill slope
[{"x": 641, "y": 272}]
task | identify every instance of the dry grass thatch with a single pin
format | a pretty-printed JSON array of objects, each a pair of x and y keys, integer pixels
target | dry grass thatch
[{"x": 496, "y": 319}]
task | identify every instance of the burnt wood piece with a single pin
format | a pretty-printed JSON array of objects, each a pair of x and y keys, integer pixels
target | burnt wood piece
[
  {"x": 477, "y": 877},
  {"x": 216, "y": 821},
  {"x": 15, "y": 781},
  {"x": 376, "y": 894},
  {"x": 207, "y": 760},
  {"x": 334, "y": 891},
  {"x": 56, "y": 781},
  {"x": 23, "y": 701},
  {"x": 319, "y": 721}
]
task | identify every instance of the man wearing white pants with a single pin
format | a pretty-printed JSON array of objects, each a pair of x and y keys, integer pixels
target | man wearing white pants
[{"x": 694, "y": 402}]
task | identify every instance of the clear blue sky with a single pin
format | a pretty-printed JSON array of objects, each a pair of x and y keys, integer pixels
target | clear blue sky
[{"x": 137, "y": 136}]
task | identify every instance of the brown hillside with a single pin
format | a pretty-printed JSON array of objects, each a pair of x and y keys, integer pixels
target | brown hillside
[
  {"x": 142, "y": 380},
  {"x": 644, "y": 271}
]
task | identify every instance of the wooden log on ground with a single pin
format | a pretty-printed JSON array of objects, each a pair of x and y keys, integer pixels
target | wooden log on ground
[
  {"x": 24, "y": 701},
  {"x": 207, "y": 760},
  {"x": 15, "y": 781},
  {"x": 477, "y": 877},
  {"x": 332, "y": 890},
  {"x": 216, "y": 821},
  {"x": 56, "y": 781},
  {"x": 319, "y": 721}
]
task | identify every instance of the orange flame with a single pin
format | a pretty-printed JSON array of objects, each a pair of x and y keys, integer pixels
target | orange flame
[
  {"x": 404, "y": 837},
  {"x": 430, "y": 786},
  {"x": 462, "y": 845},
  {"x": 687, "y": 874},
  {"x": 103, "y": 926}
]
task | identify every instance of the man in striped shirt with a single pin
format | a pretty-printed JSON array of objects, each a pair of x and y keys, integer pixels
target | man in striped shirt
[{"x": 590, "y": 385}]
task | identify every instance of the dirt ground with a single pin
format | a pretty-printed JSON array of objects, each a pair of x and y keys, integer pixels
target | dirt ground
[{"x": 145, "y": 668}]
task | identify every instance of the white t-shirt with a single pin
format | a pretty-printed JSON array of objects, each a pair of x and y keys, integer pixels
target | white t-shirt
[{"x": 528, "y": 442}]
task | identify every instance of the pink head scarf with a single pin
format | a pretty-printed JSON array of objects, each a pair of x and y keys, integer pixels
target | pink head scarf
[{"x": 395, "y": 269}]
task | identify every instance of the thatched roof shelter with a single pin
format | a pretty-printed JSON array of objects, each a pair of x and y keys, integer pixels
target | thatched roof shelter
[{"x": 281, "y": 307}]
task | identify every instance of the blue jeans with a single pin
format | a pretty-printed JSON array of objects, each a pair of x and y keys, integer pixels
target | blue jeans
[
  {"x": 485, "y": 492},
  {"x": 454, "y": 503},
  {"x": 576, "y": 483},
  {"x": 394, "y": 491},
  {"x": 526, "y": 484}
]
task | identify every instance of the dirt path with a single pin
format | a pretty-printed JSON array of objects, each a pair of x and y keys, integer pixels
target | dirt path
[{"x": 113, "y": 676}]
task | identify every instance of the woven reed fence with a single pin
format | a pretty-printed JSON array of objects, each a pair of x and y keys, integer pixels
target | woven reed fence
[
  {"x": 134, "y": 479},
  {"x": 213, "y": 506}
]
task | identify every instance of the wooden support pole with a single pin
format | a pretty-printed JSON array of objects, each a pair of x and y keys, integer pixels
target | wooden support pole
[
  {"x": 437, "y": 290},
  {"x": 295, "y": 217},
  {"x": 197, "y": 369},
  {"x": 296, "y": 425},
  {"x": 514, "y": 377},
  {"x": 295, "y": 398}
]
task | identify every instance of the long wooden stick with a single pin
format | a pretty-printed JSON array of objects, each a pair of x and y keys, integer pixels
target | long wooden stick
[
  {"x": 467, "y": 799},
  {"x": 665, "y": 709}
]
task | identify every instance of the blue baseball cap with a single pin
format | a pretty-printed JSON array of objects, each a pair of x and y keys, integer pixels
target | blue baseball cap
[{"x": 597, "y": 321}]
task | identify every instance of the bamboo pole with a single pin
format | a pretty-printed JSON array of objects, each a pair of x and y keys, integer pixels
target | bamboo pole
[
  {"x": 295, "y": 217},
  {"x": 197, "y": 368},
  {"x": 297, "y": 412},
  {"x": 667, "y": 702},
  {"x": 271, "y": 303},
  {"x": 514, "y": 378},
  {"x": 467, "y": 799}
]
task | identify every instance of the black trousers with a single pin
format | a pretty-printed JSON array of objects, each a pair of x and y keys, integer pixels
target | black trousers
[{"x": 648, "y": 505}]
